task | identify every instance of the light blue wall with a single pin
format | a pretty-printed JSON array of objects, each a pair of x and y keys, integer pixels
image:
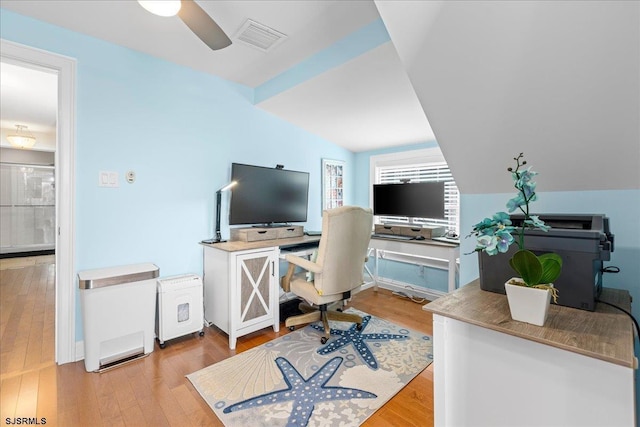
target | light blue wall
[{"x": 179, "y": 130}]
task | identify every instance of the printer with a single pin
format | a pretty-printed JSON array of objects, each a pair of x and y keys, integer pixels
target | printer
[{"x": 582, "y": 240}]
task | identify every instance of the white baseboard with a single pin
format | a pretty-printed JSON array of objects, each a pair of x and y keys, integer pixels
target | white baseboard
[{"x": 79, "y": 350}]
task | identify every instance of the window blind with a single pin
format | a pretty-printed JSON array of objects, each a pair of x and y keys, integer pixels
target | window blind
[{"x": 436, "y": 171}]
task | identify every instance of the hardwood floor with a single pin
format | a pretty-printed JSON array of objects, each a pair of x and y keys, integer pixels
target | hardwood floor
[{"x": 152, "y": 391}]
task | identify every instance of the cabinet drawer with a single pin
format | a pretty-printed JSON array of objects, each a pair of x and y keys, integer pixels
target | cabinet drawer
[
  {"x": 253, "y": 234},
  {"x": 428, "y": 232},
  {"x": 293, "y": 231},
  {"x": 389, "y": 229}
]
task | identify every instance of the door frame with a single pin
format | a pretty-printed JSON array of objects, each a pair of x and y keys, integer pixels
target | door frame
[{"x": 65, "y": 67}]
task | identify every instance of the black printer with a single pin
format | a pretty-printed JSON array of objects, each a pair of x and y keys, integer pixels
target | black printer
[{"x": 582, "y": 240}]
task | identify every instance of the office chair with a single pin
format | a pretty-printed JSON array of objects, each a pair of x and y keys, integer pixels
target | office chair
[{"x": 337, "y": 270}]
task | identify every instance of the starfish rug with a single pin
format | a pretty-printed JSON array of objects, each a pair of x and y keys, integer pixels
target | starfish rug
[{"x": 295, "y": 380}]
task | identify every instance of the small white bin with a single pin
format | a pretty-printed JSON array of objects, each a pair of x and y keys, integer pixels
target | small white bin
[
  {"x": 180, "y": 307},
  {"x": 118, "y": 313}
]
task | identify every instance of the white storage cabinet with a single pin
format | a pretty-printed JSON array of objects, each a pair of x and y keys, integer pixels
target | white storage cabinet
[
  {"x": 180, "y": 307},
  {"x": 241, "y": 290}
]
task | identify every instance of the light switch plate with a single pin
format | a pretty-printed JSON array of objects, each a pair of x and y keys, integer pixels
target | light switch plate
[{"x": 108, "y": 179}]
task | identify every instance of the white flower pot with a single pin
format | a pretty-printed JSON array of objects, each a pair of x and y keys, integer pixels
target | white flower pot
[{"x": 530, "y": 305}]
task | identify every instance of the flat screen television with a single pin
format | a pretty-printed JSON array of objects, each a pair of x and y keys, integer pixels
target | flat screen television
[
  {"x": 267, "y": 196},
  {"x": 419, "y": 199}
]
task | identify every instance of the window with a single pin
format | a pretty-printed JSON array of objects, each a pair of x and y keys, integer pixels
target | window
[{"x": 419, "y": 166}]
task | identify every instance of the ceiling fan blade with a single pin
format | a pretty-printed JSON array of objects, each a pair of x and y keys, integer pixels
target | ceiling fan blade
[{"x": 202, "y": 25}]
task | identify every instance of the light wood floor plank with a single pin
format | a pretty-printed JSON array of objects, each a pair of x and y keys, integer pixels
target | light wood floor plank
[
  {"x": 48, "y": 395},
  {"x": 28, "y": 396},
  {"x": 9, "y": 393}
]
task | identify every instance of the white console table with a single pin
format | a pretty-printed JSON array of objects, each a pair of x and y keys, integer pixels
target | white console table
[
  {"x": 242, "y": 283},
  {"x": 429, "y": 249},
  {"x": 490, "y": 370}
]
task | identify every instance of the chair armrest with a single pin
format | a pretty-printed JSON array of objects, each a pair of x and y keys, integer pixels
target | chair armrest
[
  {"x": 304, "y": 263},
  {"x": 285, "y": 281}
]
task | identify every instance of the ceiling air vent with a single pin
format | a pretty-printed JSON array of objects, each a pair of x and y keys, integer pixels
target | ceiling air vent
[{"x": 259, "y": 36}]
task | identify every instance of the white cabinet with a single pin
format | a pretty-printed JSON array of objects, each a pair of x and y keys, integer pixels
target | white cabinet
[
  {"x": 489, "y": 370},
  {"x": 487, "y": 378},
  {"x": 241, "y": 290}
]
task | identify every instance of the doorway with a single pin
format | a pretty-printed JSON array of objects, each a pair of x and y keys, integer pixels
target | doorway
[
  {"x": 65, "y": 69},
  {"x": 28, "y": 121}
]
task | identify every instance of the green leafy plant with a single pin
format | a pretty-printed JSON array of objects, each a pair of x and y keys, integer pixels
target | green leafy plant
[{"x": 494, "y": 235}]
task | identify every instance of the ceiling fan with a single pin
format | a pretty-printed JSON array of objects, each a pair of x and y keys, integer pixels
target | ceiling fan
[{"x": 194, "y": 17}]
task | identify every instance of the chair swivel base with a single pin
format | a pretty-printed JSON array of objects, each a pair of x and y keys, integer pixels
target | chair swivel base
[{"x": 313, "y": 314}]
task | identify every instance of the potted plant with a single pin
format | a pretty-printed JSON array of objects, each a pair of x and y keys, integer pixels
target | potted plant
[{"x": 536, "y": 272}]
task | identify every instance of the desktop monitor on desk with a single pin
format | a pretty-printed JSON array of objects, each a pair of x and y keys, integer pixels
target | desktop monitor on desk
[
  {"x": 421, "y": 200},
  {"x": 268, "y": 196}
]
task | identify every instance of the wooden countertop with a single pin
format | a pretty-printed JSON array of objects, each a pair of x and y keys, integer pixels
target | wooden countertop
[
  {"x": 236, "y": 245},
  {"x": 606, "y": 333},
  {"x": 432, "y": 242}
]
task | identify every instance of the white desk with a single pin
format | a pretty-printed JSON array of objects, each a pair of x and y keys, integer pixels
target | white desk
[
  {"x": 242, "y": 285},
  {"x": 429, "y": 249},
  {"x": 242, "y": 279}
]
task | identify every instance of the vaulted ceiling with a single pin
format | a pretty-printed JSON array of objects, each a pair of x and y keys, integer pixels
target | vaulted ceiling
[{"x": 556, "y": 80}]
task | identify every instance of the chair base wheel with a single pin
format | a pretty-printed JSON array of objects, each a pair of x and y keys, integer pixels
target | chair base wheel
[
  {"x": 292, "y": 328},
  {"x": 359, "y": 326},
  {"x": 324, "y": 340},
  {"x": 201, "y": 333}
]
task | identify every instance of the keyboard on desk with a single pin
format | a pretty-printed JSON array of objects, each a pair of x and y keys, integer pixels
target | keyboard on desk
[
  {"x": 392, "y": 236},
  {"x": 299, "y": 246},
  {"x": 451, "y": 240}
]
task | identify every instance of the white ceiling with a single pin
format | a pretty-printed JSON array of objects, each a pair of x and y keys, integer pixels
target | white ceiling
[
  {"x": 29, "y": 98},
  {"x": 364, "y": 104}
]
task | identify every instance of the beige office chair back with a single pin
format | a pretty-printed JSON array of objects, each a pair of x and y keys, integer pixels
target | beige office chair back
[{"x": 342, "y": 251}]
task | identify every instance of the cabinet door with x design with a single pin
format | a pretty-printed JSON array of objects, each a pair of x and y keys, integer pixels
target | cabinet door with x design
[{"x": 254, "y": 300}]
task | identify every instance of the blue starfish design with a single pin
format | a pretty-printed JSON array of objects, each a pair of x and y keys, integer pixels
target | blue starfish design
[
  {"x": 357, "y": 338},
  {"x": 304, "y": 393}
]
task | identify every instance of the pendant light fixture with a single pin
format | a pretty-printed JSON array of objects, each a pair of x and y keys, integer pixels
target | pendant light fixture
[{"x": 22, "y": 138}]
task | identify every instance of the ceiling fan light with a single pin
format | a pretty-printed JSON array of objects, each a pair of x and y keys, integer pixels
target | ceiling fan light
[
  {"x": 22, "y": 138},
  {"x": 161, "y": 7}
]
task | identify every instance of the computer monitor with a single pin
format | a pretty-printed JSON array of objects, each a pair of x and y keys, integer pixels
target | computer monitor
[
  {"x": 268, "y": 196},
  {"x": 421, "y": 199}
]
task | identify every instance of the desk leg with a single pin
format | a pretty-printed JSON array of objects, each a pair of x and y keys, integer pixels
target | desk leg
[
  {"x": 453, "y": 256},
  {"x": 375, "y": 270},
  {"x": 233, "y": 338}
]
